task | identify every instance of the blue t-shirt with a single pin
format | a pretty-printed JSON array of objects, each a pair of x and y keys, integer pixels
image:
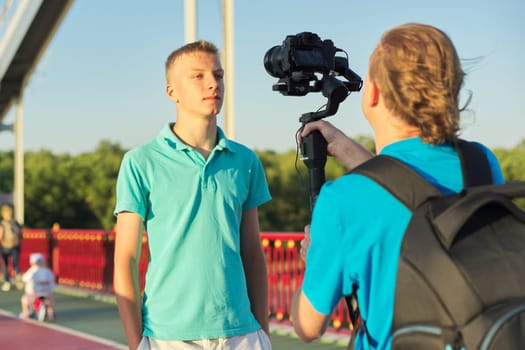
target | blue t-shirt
[
  {"x": 356, "y": 233},
  {"x": 192, "y": 208}
]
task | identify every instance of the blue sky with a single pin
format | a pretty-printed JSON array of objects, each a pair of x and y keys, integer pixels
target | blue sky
[{"x": 103, "y": 74}]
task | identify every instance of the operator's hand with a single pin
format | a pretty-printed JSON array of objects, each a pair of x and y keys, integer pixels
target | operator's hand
[
  {"x": 346, "y": 150},
  {"x": 305, "y": 243},
  {"x": 331, "y": 134}
]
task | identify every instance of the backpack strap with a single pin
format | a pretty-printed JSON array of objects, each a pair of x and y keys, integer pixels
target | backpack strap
[
  {"x": 475, "y": 166},
  {"x": 411, "y": 189},
  {"x": 403, "y": 182}
]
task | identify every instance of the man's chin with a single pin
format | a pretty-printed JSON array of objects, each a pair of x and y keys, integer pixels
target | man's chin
[
  {"x": 213, "y": 113},
  {"x": 216, "y": 110}
]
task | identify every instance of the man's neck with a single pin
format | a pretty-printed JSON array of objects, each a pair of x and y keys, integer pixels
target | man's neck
[
  {"x": 199, "y": 134},
  {"x": 393, "y": 129}
]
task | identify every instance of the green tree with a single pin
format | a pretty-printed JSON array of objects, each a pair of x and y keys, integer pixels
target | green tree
[
  {"x": 53, "y": 192},
  {"x": 289, "y": 205},
  {"x": 75, "y": 191},
  {"x": 6, "y": 171},
  {"x": 512, "y": 163},
  {"x": 79, "y": 191},
  {"x": 101, "y": 168}
]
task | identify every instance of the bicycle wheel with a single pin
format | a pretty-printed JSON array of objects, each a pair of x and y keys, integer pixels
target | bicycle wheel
[{"x": 42, "y": 310}]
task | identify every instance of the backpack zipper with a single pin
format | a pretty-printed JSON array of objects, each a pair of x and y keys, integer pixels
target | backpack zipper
[{"x": 492, "y": 331}]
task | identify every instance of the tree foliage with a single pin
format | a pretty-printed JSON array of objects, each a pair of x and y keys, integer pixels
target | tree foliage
[
  {"x": 513, "y": 166},
  {"x": 6, "y": 172},
  {"x": 74, "y": 191},
  {"x": 79, "y": 191}
]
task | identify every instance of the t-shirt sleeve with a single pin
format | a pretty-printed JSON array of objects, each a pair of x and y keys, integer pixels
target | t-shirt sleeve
[
  {"x": 497, "y": 174},
  {"x": 131, "y": 189},
  {"x": 259, "y": 192}
]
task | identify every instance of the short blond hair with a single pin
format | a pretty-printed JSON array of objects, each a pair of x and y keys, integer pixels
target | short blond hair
[
  {"x": 419, "y": 73},
  {"x": 196, "y": 46}
]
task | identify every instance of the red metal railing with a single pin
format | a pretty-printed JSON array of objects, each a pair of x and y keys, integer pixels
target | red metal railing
[{"x": 84, "y": 258}]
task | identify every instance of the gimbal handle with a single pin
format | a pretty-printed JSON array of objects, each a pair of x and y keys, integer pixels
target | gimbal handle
[{"x": 313, "y": 152}]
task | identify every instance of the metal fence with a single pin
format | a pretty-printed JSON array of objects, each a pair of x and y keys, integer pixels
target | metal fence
[{"x": 84, "y": 258}]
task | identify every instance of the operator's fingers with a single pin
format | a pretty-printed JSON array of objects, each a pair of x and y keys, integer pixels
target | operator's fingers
[
  {"x": 309, "y": 127},
  {"x": 305, "y": 242}
]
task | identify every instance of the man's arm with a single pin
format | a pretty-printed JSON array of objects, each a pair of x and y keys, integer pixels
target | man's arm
[
  {"x": 254, "y": 263},
  {"x": 307, "y": 322},
  {"x": 128, "y": 244}
]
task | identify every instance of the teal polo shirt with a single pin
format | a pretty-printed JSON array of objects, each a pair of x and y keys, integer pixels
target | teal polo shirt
[
  {"x": 192, "y": 210},
  {"x": 356, "y": 233}
]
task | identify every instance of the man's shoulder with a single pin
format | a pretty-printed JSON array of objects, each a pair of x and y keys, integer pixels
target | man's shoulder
[
  {"x": 236, "y": 146},
  {"x": 143, "y": 151},
  {"x": 241, "y": 151}
]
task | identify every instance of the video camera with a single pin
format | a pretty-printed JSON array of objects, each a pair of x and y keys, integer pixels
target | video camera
[{"x": 298, "y": 63}]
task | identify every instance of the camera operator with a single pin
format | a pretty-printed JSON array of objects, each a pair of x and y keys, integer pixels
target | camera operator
[{"x": 410, "y": 98}]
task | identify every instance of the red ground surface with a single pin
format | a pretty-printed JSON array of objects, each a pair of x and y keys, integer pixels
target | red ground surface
[{"x": 21, "y": 335}]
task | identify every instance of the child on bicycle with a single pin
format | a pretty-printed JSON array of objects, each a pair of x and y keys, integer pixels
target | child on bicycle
[{"x": 39, "y": 283}]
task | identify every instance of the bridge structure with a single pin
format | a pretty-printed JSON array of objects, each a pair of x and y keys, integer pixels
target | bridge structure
[{"x": 26, "y": 29}]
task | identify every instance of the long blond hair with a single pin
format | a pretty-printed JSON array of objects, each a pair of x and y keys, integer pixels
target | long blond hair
[{"x": 419, "y": 73}]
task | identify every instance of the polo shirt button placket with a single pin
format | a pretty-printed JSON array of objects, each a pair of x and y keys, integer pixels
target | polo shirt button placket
[{"x": 203, "y": 177}]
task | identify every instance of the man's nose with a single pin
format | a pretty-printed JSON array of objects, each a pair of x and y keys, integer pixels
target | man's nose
[{"x": 213, "y": 83}]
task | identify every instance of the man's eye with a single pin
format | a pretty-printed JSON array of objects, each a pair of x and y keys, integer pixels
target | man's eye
[
  {"x": 219, "y": 76},
  {"x": 197, "y": 76}
]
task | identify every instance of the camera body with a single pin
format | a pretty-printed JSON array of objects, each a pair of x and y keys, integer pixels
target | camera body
[
  {"x": 301, "y": 60},
  {"x": 304, "y": 53}
]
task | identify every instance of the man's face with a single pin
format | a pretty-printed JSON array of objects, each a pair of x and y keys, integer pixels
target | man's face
[
  {"x": 195, "y": 83},
  {"x": 7, "y": 213}
]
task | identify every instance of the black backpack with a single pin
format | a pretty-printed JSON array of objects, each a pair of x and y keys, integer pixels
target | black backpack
[{"x": 461, "y": 273}]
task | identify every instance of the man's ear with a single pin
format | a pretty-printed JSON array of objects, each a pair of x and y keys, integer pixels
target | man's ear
[
  {"x": 374, "y": 94},
  {"x": 170, "y": 92}
]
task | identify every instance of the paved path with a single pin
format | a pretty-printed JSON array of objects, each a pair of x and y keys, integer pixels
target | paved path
[
  {"x": 90, "y": 321},
  {"x": 18, "y": 334}
]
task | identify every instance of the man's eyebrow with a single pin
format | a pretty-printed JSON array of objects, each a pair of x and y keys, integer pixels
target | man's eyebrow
[{"x": 204, "y": 70}]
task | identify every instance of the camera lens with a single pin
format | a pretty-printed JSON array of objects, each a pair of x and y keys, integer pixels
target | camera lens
[{"x": 273, "y": 62}]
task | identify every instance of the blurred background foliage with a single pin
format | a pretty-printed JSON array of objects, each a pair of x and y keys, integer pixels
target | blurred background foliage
[{"x": 78, "y": 191}]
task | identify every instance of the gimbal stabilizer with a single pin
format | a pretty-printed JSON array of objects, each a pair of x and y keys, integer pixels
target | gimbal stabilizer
[
  {"x": 313, "y": 145},
  {"x": 297, "y": 63}
]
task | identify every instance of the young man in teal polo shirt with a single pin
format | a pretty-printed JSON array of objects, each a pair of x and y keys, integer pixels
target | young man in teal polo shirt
[{"x": 196, "y": 194}]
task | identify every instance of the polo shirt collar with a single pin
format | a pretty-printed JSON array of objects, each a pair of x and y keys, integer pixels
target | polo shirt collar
[{"x": 172, "y": 140}]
